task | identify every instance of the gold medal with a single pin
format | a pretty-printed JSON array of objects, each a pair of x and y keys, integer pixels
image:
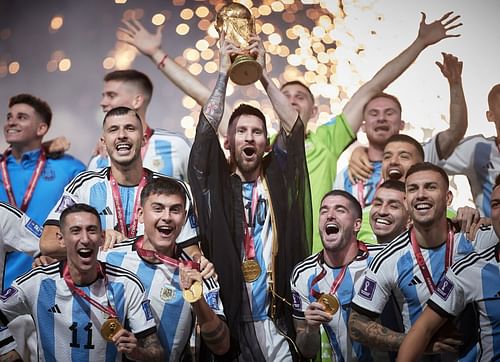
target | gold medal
[
  {"x": 251, "y": 270},
  {"x": 330, "y": 302},
  {"x": 194, "y": 292},
  {"x": 109, "y": 328}
]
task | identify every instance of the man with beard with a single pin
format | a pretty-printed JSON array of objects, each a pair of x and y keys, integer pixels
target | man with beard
[
  {"x": 251, "y": 212},
  {"x": 412, "y": 264},
  {"x": 113, "y": 191}
]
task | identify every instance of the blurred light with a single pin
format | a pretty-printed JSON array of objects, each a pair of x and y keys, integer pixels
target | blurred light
[
  {"x": 120, "y": 1},
  {"x": 108, "y": 63},
  {"x": 294, "y": 59},
  {"x": 277, "y": 6},
  {"x": 290, "y": 34},
  {"x": 318, "y": 32},
  {"x": 56, "y": 23},
  {"x": 188, "y": 102},
  {"x": 275, "y": 39},
  {"x": 268, "y": 28},
  {"x": 181, "y": 61},
  {"x": 323, "y": 57},
  {"x": 182, "y": 29},
  {"x": 207, "y": 54},
  {"x": 204, "y": 24},
  {"x": 288, "y": 17},
  {"x": 195, "y": 68},
  {"x": 202, "y": 45},
  {"x": 14, "y": 67},
  {"x": 3, "y": 69},
  {"x": 191, "y": 55},
  {"x": 178, "y": 2},
  {"x": 212, "y": 32},
  {"x": 158, "y": 19},
  {"x": 202, "y": 11},
  {"x": 58, "y": 55},
  {"x": 186, "y": 14},
  {"x": 64, "y": 64},
  {"x": 190, "y": 132},
  {"x": 211, "y": 67},
  {"x": 187, "y": 121},
  {"x": 284, "y": 51},
  {"x": 264, "y": 10},
  {"x": 52, "y": 66}
]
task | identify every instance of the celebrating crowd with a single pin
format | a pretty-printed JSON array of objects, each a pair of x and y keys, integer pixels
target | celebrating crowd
[{"x": 251, "y": 248}]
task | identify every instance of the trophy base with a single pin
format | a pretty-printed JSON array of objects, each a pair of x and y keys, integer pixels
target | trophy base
[{"x": 245, "y": 70}]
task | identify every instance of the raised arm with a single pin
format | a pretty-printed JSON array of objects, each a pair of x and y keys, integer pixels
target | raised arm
[
  {"x": 134, "y": 33},
  {"x": 282, "y": 106},
  {"x": 428, "y": 34},
  {"x": 448, "y": 139}
]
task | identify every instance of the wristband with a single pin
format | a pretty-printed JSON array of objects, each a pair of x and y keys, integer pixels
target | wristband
[{"x": 161, "y": 64}]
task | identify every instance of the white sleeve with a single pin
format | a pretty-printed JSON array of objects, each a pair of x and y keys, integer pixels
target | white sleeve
[
  {"x": 485, "y": 238},
  {"x": 461, "y": 160},
  {"x": 19, "y": 232},
  {"x": 374, "y": 289},
  {"x": 300, "y": 300},
  {"x": 139, "y": 314},
  {"x": 339, "y": 180},
  {"x": 450, "y": 295},
  {"x": 211, "y": 292},
  {"x": 67, "y": 199},
  {"x": 11, "y": 306},
  {"x": 430, "y": 151}
]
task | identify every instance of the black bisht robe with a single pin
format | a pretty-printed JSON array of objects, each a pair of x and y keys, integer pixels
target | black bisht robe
[{"x": 218, "y": 199}]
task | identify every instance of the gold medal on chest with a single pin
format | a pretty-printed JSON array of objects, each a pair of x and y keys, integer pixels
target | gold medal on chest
[{"x": 251, "y": 270}]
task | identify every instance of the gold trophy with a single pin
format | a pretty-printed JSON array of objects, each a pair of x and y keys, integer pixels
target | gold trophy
[{"x": 236, "y": 21}]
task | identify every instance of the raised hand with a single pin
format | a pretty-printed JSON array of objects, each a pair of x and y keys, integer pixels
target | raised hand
[
  {"x": 451, "y": 68},
  {"x": 437, "y": 30},
  {"x": 134, "y": 33},
  {"x": 256, "y": 49},
  {"x": 227, "y": 50}
]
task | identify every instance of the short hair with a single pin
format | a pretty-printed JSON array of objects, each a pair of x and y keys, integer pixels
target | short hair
[
  {"x": 73, "y": 209},
  {"x": 138, "y": 79},
  {"x": 497, "y": 182},
  {"x": 393, "y": 185},
  {"x": 40, "y": 106},
  {"x": 358, "y": 212},
  {"x": 121, "y": 111},
  {"x": 298, "y": 82},
  {"x": 385, "y": 95},
  {"x": 427, "y": 166},
  {"x": 163, "y": 186},
  {"x": 246, "y": 109},
  {"x": 410, "y": 140},
  {"x": 492, "y": 95}
]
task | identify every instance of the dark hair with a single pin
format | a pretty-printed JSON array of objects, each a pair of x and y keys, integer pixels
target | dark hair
[
  {"x": 358, "y": 212},
  {"x": 298, "y": 82},
  {"x": 393, "y": 185},
  {"x": 249, "y": 110},
  {"x": 120, "y": 111},
  {"x": 427, "y": 166},
  {"x": 497, "y": 182},
  {"x": 494, "y": 92},
  {"x": 385, "y": 95},
  {"x": 140, "y": 80},
  {"x": 163, "y": 186},
  {"x": 410, "y": 140},
  {"x": 40, "y": 106},
  {"x": 78, "y": 208}
]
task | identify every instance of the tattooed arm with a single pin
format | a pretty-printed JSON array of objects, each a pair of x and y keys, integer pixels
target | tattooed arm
[
  {"x": 369, "y": 332},
  {"x": 145, "y": 348},
  {"x": 308, "y": 337},
  {"x": 11, "y": 356}
]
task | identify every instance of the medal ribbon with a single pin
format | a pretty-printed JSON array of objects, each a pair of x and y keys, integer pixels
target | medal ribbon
[
  {"x": 338, "y": 280},
  {"x": 145, "y": 253},
  {"x": 74, "y": 289},
  {"x": 148, "y": 134},
  {"x": 40, "y": 163},
  {"x": 120, "y": 213},
  {"x": 249, "y": 242},
  {"x": 421, "y": 261},
  {"x": 361, "y": 191}
]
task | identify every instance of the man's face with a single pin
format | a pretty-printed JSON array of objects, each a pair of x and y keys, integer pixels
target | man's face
[
  {"x": 23, "y": 126},
  {"x": 301, "y": 101},
  {"x": 123, "y": 137},
  {"x": 338, "y": 226},
  {"x": 388, "y": 215},
  {"x": 495, "y": 210},
  {"x": 163, "y": 217},
  {"x": 118, "y": 94},
  {"x": 398, "y": 158},
  {"x": 427, "y": 197},
  {"x": 247, "y": 143},
  {"x": 382, "y": 119},
  {"x": 82, "y": 237}
]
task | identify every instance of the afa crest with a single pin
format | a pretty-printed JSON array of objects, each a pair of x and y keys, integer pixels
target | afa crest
[{"x": 167, "y": 293}]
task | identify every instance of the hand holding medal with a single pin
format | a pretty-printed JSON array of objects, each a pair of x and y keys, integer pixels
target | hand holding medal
[{"x": 191, "y": 283}]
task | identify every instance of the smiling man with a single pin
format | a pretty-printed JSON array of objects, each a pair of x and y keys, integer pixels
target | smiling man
[
  {"x": 114, "y": 191},
  {"x": 72, "y": 301}
]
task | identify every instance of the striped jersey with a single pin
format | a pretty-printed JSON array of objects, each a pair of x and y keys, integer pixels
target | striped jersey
[
  {"x": 303, "y": 275},
  {"x": 474, "y": 279},
  {"x": 395, "y": 270},
  {"x": 94, "y": 188},
  {"x": 172, "y": 313},
  {"x": 68, "y": 327},
  {"x": 478, "y": 158},
  {"x": 18, "y": 232},
  {"x": 167, "y": 153}
]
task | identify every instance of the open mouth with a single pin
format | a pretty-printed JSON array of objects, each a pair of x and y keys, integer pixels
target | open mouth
[
  {"x": 382, "y": 128},
  {"x": 331, "y": 229},
  {"x": 165, "y": 231},
  {"x": 123, "y": 147},
  {"x": 423, "y": 206},
  {"x": 382, "y": 221},
  {"x": 85, "y": 252},
  {"x": 249, "y": 151},
  {"x": 395, "y": 173}
]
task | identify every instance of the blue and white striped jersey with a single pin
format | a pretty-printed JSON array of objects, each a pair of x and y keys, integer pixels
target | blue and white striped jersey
[
  {"x": 68, "y": 327},
  {"x": 474, "y": 279},
  {"x": 395, "y": 270},
  {"x": 173, "y": 314},
  {"x": 93, "y": 188},
  {"x": 167, "y": 153},
  {"x": 343, "y": 348},
  {"x": 368, "y": 187}
]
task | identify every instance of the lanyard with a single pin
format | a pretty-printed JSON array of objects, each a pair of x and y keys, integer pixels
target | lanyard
[
  {"x": 144, "y": 149},
  {"x": 120, "y": 213},
  {"x": 40, "y": 163},
  {"x": 362, "y": 249},
  {"x": 361, "y": 191},
  {"x": 420, "y": 258},
  {"x": 71, "y": 285},
  {"x": 249, "y": 242},
  {"x": 161, "y": 257}
]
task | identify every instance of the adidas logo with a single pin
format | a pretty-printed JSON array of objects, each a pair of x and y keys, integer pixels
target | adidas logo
[
  {"x": 106, "y": 211},
  {"x": 54, "y": 309},
  {"x": 416, "y": 280}
]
